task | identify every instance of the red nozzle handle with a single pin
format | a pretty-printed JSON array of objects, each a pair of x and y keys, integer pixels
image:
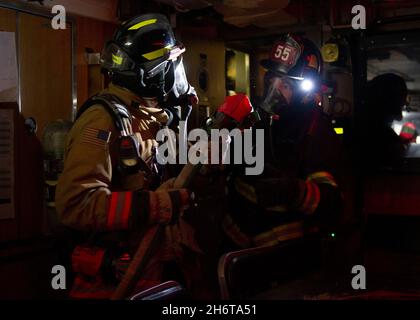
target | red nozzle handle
[{"x": 237, "y": 107}]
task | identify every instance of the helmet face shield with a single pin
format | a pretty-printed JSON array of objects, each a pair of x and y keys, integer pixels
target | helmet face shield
[
  {"x": 113, "y": 58},
  {"x": 152, "y": 82},
  {"x": 154, "y": 77},
  {"x": 153, "y": 68},
  {"x": 181, "y": 85},
  {"x": 144, "y": 57},
  {"x": 147, "y": 45}
]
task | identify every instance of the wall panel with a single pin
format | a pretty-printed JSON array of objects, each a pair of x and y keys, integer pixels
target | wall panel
[
  {"x": 91, "y": 34},
  {"x": 8, "y": 227},
  {"x": 7, "y": 20},
  {"x": 45, "y": 70}
]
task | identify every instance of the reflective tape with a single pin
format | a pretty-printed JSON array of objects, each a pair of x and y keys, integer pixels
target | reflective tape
[
  {"x": 119, "y": 210},
  {"x": 117, "y": 59},
  {"x": 156, "y": 54},
  {"x": 142, "y": 24}
]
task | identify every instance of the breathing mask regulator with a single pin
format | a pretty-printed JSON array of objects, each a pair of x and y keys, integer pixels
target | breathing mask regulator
[
  {"x": 293, "y": 74},
  {"x": 179, "y": 100}
]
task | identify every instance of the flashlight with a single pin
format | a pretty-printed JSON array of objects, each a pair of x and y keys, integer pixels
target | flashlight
[{"x": 307, "y": 85}]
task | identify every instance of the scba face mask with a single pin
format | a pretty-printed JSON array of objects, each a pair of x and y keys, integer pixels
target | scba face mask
[
  {"x": 181, "y": 84},
  {"x": 283, "y": 91},
  {"x": 278, "y": 94},
  {"x": 155, "y": 81}
]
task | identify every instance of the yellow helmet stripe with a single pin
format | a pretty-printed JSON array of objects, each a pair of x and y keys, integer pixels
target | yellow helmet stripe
[
  {"x": 156, "y": 54},
  {"x": 116, "y": 59},
  {"x": 142, "y": 24}
]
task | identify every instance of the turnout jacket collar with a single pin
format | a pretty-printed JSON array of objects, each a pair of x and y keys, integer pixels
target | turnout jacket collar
[{"x": 131, "y": 100}]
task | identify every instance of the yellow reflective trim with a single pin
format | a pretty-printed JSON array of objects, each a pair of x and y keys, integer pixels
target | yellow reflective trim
[
  {"x": 322, "y": 177},
  {"x": 156, "y": 54},
  {"x": 319, "y": 174},
  {"x": 142, "y": 24},
  {"x": 117, "y": 59},
  {"x": 339, "y": 130}
]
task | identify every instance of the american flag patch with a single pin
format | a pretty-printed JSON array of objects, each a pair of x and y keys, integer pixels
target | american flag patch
[{"x": 96, "y": 137}]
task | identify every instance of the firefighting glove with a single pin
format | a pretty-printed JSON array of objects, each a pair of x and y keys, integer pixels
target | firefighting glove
[
  {"x": 164, "y": 206},
  {"x": 167, "y": 206},
  {"x": 280, "y": 192}
]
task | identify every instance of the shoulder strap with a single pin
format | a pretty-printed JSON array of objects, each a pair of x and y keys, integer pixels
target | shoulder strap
[{"x": 112, "y": 104}]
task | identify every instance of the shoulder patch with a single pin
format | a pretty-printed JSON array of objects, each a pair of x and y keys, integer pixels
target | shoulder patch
[{"x": 95, "y": 137}]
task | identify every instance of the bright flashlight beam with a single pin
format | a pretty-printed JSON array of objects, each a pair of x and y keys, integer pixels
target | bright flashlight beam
[{"x": 307, "y": 85}]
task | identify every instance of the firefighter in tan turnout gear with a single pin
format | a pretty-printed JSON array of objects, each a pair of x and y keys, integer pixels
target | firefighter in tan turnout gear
[{"x": 111, "y": 188}]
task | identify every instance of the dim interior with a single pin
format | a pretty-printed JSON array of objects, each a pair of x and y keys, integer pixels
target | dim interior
[
  {"x": 46, "y": 76},
  {"x": 398, "y": 53}
]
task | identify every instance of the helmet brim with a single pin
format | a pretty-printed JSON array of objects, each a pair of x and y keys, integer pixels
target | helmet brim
[{"x": 272, "y": 66}]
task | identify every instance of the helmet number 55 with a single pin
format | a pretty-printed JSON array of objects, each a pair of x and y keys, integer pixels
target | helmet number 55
[{"x": 282, "y": 53}]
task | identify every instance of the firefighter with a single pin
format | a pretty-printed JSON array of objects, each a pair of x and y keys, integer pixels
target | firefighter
[
  {"x": 297, "y": 191},
  {"x": 111, "y": 188},
  {"x": 386, "y": 96}
]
